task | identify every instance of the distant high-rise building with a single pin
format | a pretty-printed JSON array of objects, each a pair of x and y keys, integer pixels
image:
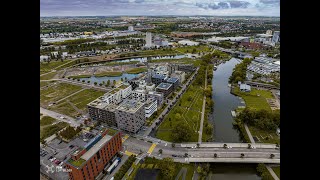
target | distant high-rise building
[
  {"x": 276, "y": 37},
  {"x": 148, "y": 39},
  {"x": 130, "y": 28}
]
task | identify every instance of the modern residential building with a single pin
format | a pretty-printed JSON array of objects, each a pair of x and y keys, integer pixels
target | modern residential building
[
  {"x": 148, "y": 39},
  {"x": 186, "y": 68},
  {"x": 165, "y": 88},
  {"x": 157, "y": 79},
  {"x": 139, "y": 95},
  {"x": 158, "y": 96},
  {"x": 245, "y": 88},
  {"x": 118, "y": 94},
  {"x": 130, "y": 28},
  {"x": 130, "y": 115},
  {"x": 150, "y": 107},
  {"x": 103, "y": 112},
  {"x": 174, "y": 81},
  {"x": 87, "y": 162},
  {"x": 179, "y": 74}
]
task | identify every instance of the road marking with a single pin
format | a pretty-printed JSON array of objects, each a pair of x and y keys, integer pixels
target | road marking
[
  {"x": 125, "y": 138},
  {"x": 152, "y": 148},
  {"x": 128, "y": 153}
]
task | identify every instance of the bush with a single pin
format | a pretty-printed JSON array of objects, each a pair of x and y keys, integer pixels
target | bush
[{"x": 124, "y": 168}]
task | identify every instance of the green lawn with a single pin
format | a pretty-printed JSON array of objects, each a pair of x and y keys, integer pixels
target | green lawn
[
  {"x": 258, "y": 132},
  {"x": 110, "y": 74},
  {"x": 56, "y": 92},
  {"x": 191, "y": 99},
  {"x": 277, "y": 171},
  {"x": 77, "y": 163},
  {"x": 189, "y": 49},
  {"x": 48, "y": 76},
  {"x": 255, "y": 99},
  {"x": 45, "y": 83},
  {"x": 51, "y": 129},
  {"x": 80, "y": 100},
  {"x": 46, "y": 120},
  {"x": 46, "y": 67},
  {"x": 136, "y": 70},
  {"x": 80, "y": 76}
]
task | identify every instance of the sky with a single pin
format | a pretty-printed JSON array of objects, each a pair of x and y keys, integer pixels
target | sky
[{"x": 159, "y": 7}]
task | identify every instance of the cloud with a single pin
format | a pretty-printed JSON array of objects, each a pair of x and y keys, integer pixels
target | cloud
[{"x": 159, "y": 7}]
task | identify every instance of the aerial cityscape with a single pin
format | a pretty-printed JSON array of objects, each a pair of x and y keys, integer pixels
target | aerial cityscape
[{"x": 182, "y": 96}]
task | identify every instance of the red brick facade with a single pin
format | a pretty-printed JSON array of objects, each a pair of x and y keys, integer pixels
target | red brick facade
[{"x": 91, "y": 168}]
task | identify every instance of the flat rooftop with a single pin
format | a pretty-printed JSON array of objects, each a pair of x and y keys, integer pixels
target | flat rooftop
[
  {"x": 172, "y": 80},
  {"x": 94, "y": 149},
  {"x": 159, "y": 76},
  {"x": 165, "y": 86},
  {"x": 130, "y": 106}
]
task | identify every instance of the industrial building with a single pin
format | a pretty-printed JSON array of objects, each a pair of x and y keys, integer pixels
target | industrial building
[
  {"x": 130, "y": 115},
  {"x": 87, "y": 162}
]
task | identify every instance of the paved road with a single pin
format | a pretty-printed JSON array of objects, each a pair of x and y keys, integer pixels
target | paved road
[
  {"x": 167, "y": 109},
  {"x": 57, "y": 116},
  {"x": 276, "y": 97},
  {"x": 249, "y": 134},
  {"x": 275, "y": 177},
  {"x": 203, "y": 109}
]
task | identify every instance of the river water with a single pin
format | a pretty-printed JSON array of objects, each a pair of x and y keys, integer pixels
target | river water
[{"x": 224, "y": 103}]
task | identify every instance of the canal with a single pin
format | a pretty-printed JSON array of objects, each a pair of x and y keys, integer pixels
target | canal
[{"x": 224, "y": 103}]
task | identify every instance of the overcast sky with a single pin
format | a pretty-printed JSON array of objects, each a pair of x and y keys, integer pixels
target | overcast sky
[{"x": 160, "y": 7}]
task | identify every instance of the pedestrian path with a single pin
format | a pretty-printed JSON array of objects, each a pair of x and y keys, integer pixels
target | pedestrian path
[
  {"x": 152, "y": 148},
  {"x": 125, "y": 138},
  {"x": 128, "y": 153}
]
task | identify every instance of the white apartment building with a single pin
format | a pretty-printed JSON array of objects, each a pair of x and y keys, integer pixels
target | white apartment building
[{"x": 150, "y": 107}]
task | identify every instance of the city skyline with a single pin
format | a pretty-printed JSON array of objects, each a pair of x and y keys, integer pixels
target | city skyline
[{"x": 160, "y": 7}]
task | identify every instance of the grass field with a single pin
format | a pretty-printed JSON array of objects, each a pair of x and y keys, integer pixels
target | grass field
[
  {"x": 48, "y": 76},
  {"x": 45, "y": 83},
  {"x": 56, "y": 92},
  {"x": 136, "y": 70},
  {"x": 255, "y": 99},
  {"x": 191, "y": 99},
  {"x": 189, "y": 49},
  {"x": 47, "y": 131},
  {"x": 80, "y": 100},
  {"x": 46, "y": 120},
  {"x": 80, "y": 76},
  {"x": 276, "y": 170},
  {"x": 110, "y": 74},
  {"x": 46, "y": 67},
  {"x": 264, "y": 136}
]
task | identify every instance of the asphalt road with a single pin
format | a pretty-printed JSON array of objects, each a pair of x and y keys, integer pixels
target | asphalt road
[{"x": 57, "y": 116}]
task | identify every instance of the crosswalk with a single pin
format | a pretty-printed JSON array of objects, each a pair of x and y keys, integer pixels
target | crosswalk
[{"x": 152, "y": 148}]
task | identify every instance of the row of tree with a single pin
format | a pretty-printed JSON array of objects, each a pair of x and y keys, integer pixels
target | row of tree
[
  {"x": 262, "y": 119},
  {"x": 69, "y": 132},
  {"x": 240, "y": 71}
]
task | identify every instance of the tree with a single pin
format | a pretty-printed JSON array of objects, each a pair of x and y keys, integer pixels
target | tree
[
  {"x": 95, "y": 83},
  {"x": 114, "y": 82},
  {"x": 186, "y": 154},
  {"x": 181, "y": 133},
  {"x": 215, "y": 155},
  {"x": 160, "y": 151},
  {"x": 173, "y": 145},
  {"x": 122, "y": 79},
  {"x": 272, "y": 156},
  {"x": 108, "y": 82},
  {"x": 198, "y": 145},
  {"x": 242, "y": 155},
  {"x": 88, "y": 82},
  {"x": 225, "y": 146},
  {"x": 249, "y": 146},
  {"x": 125, "y": 78},
  {"x": 167, "y": 168}
]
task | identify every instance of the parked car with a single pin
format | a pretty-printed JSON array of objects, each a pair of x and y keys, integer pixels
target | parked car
[
  {"x": 53, "y": 159},
  {"x": 61, "y": 163},
  {"x": 173, "y": 155}
]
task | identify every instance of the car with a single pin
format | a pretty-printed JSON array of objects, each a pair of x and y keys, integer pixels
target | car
[
  {"x": 53, "y": 159},
  {"x": 166, "y": 144},
  {"x": 50, "y": 157},
  {"x": 173, "y": 155},
  {"x": 71, "y": 146},
  {"x": 55, "y": 153},
  {"x": 61, "y": 163},
  {"x": 57, "y": 162}
]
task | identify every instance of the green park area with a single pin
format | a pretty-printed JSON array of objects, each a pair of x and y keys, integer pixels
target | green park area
[
  {"x": 48, "y": 130},
  {"x": 56, "y": 92},
  {"x": 255, "y": 99},
  {"x": 77, "y": 104},
  {"x": 46, "y": 83},
  {"x": 156, "y": 52},
  {"x": 136, "y": 70},
  {"x": 110, "y": 74},
  {"x": 186, "y": 113},
  {"x": 46, "y": 120},
  {"x": 165, "y": 166},
  {"x": 46, "y": 67},
  {"x": 264, "y": 136},
  {"x": 48, "y": 76},
  {"x": 193, "y": 49},
  {"x": 276, "y": 170}
]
